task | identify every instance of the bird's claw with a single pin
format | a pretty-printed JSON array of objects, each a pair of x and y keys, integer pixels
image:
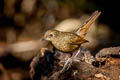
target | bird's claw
[{"x": 67, "y": 65}]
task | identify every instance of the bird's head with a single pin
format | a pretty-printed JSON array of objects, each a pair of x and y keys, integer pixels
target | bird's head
[{"x": 50, "y": 35}]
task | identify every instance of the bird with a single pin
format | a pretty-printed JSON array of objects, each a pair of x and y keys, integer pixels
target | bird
[{"x": 70, "y": 41}]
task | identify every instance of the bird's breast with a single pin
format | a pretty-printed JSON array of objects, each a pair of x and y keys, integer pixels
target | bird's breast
[{"x": 64, "y": 46}]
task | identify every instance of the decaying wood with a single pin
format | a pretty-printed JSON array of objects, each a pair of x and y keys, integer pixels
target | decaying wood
[{"x": 89, "y": 68}]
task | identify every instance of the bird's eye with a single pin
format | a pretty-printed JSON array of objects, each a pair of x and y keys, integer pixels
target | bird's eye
[{"x": 51, "y": 35}]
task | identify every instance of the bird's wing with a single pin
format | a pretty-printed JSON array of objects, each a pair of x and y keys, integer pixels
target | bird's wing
[
  {"x": 82, "y": 31},
  {"x": 78, "y": 41}
]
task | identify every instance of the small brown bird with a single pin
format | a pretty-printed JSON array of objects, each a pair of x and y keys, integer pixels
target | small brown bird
[{"x": 70, "y": 41}]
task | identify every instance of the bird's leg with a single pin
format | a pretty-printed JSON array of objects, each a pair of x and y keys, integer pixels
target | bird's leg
[
  {"x": 78, "y": 52},
  {"x": 75, "y": 57},
  {"x": 67, "y": 64},
  {"x": 70, "y": 60}
]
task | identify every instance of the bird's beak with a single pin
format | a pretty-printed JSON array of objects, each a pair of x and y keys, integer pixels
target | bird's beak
[
  {"x": 42, "y": 39},
  {"x": 86, "y": 41}
]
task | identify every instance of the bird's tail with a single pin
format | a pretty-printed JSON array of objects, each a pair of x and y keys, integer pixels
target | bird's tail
[{"x": 82, "y": 31}]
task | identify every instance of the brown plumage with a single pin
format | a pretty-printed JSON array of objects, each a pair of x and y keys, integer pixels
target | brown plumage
[{"x": 70, "y": 41}]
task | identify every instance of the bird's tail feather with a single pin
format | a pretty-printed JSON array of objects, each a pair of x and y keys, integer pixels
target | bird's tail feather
[{"x": 82, "y": 31}]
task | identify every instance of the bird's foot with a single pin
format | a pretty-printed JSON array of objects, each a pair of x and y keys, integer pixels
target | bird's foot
[
  {"x": 67, "y": 64},
  {"x": 69, "y": 61}
]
